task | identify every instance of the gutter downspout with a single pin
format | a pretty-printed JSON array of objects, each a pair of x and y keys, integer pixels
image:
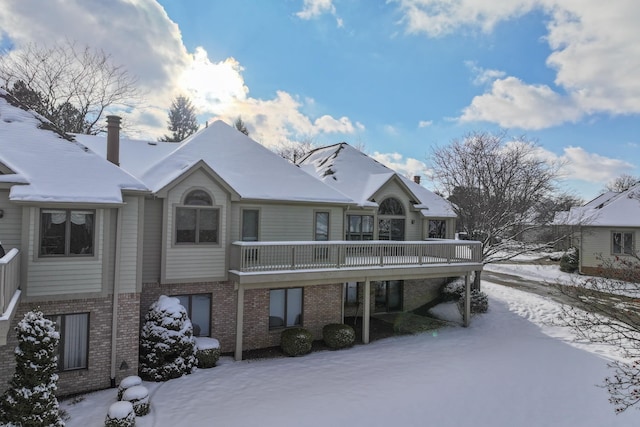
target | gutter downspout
[{"x": 116, "y": 291}]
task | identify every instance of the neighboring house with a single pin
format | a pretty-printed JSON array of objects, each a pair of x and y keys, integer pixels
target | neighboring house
[
  {"x": 249, "y": 243},
  {"x": 606, "y": 228}
]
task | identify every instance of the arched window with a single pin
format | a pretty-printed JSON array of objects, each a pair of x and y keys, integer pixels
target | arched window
[
  {"x": 391, "y": 220},
  {"x": 391, "y": 206},
  {"x": 197, "y": 221}
]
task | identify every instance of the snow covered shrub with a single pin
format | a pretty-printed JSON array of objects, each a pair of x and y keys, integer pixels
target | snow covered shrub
[
  {"x": 128, "y": 382},
  {"x": 569, "y": 262},
  {"x": 453, "y": 290},
  {"x": 338, "y": 335},
  {"x": 296, "y": 341},
  {"x": 30, "y": 399},
  {"x": 207, "y": 352},
  {"x": 120, "y": 414},
  {"x": 138, "y": 395},
  {"x": 479, "y": 302},
  {"x": 167, "y": 345}
]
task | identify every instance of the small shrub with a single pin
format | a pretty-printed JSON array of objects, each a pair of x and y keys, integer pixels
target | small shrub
[
  {"x": 338, "y": 335},
  {"x": 570, "y": 261},
  {"x": 138, "y": 395},
  {"x": 453, "y": 291},
  {"x": 207, "y": 352},
  {"x": 121, "y": 414},
  {"x": 128, "y": 382},
  {"x": 479, "y": 302},
  {"x": 296, "y": 341}
]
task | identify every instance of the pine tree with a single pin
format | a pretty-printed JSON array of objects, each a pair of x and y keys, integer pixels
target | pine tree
[
  {"x": 167, "y": 344},
  {"x": 30, "y": 399},
  {"x": 241, "y": 126},
  {"x": 182, "y": 120}
]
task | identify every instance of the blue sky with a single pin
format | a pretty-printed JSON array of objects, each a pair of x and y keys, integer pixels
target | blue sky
[{"x": 396, "y": 77}]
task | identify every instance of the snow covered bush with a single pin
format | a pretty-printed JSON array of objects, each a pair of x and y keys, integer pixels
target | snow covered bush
[
  {"x": 138, "y": 395},
  {"x": 569, "y": 262},
  {"x": 338, "y": 335},
  {"x": 296, "y": 341},
  {"x": 479, "y": 302},
  {"x": 167, "y": 344},
  {"x": 128, "y": 382},
  {"x": 453, "y": 290},
  {"x": 120, "y": 414},
  {"x": 207, "y": 352},
  {"x": 30, "y": 399}
]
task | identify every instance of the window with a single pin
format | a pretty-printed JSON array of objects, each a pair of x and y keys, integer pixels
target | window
[
  {"x": 437, "y": 229},
  {"x": 73, "y": 347},
  {"x": 351, "y": 293},
  {"x": 66, "y": 232},
  {"x": 388, "y": 295},
  {"x": 250, "y": 220},
  {"x": 359, "y": 227},
  {"x": 197, "y": 221},
  {"x": 322, "y": 226},
  {"x": 285, "y": 308},
  {"x": 622, "y": 243},
  {"x": 198, "y": 308},
  {"x": 391, "y": 206},
  {"x": 391, "y": 220}
]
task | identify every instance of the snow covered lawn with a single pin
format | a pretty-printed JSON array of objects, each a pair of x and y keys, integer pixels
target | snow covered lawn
[{"x": 507, "y": 369}]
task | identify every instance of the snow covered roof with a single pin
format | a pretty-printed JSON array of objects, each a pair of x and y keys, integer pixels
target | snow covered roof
[
  {"x": 50, "y": 168},
  {"x": 249, "y": 169},
  {"x": 358, "y": 176},
  {"x": 609, "y": 209}
]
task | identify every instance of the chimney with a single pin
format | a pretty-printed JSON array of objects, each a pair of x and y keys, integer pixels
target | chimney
[
  {"x": 113, "y": 139},
  {"x": 416, "y": 179}
]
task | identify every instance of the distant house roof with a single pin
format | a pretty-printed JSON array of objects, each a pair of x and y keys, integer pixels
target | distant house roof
[
  {"x": 50, "y": 168},
  {"x": 252, "y": 171},
  {"x": 607, "y": 210},
  {"x": 359, "y": 177}
]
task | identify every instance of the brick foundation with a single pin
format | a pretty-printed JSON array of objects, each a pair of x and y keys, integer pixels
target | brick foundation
[{"x": 98, "y": 373}]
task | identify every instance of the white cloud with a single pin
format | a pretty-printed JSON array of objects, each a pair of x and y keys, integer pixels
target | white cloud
[
  {"x": 315, "y": 8},
  {"x": 483, "y": 76},
  {"x": 408, "y": 167},
  {"x": 595, "y": 54},
  {"x": 140, "y": 36},
  {"x": 390, "y": 129},
  {"x": 425, "y": 123}
]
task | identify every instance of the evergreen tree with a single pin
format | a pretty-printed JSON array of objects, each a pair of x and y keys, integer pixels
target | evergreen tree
[
  {"x": 30, "y": 399},
  {"x": 240, "y": 125},
  {"x": 167, "y": 344},
  {"x": 182, "y": 120}
]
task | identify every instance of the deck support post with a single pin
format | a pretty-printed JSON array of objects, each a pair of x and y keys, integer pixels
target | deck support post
[
  {"x": 239, "y": 322},
  {"x": 467, "y": 300},
  {"x": 366, "y": 311}
]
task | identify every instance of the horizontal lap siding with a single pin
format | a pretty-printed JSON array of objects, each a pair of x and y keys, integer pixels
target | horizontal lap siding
[
  {"x": 195, "y": 262},
  {"x": 596, "y": 242},
  {"x": 129, "y": 246},
  {"x": 63, "y": 275},
  {"x": 152, "y": 240},
  {"x": 10, "y": 224}
]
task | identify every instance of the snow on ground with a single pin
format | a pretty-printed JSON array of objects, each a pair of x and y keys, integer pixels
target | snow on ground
[
  {"x": 509, "y": 368},
  {"x": 542, "y": 273}
]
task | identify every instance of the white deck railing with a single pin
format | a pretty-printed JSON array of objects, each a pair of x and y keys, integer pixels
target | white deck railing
[
  {"x": 281, "y": 256},
  {"x": 9, "y": 278}
]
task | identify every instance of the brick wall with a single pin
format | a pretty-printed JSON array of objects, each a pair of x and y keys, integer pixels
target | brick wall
[{"x": 98, "y": 373}]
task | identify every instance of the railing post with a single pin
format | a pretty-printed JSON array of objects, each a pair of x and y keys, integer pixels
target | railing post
[
  {"x": 293, "y": 257},
  {"x": 3, "y": 287}
]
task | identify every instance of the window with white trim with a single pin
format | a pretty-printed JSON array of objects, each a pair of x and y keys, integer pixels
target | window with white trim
[
  {"x": 198, "y": 308},
  {"x": 250, "y": 225},
  {"x": 66, "y": 232},
  {"x": 622, "y": 243},
  {"x": 73, "y": 347},
  {"x": 359, "y": 227},
  {"x": 285, "y": 308},
  {"x": 197, "y": 221}
]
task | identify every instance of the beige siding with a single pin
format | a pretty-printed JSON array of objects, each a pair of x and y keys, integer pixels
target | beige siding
[
  {"x": 412, "y": 231},
  {"x": 129, "y": 245},
  {"x": 596, "y": 244},
  {"x": 280, "y": 222},
  {"x": 195, "y": 262},
  {"x": 152, "y": 240},
  {"x": 11, "y": 223},
  {"x": 65, "y": 275}
]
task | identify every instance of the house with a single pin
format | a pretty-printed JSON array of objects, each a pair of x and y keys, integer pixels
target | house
[
  {"x": 606, "y": 228},
  {"x": 97, "y": 228}
]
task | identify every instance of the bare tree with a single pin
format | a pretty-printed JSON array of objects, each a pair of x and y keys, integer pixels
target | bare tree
[
  {"x": 495, "y": 188},
  {"x": 70, "y": 86},
  {"x": 294, "y": 151},
  {"x": 182, "y": 120},
  {"x": 241, "y": 126},
  {"x": 622, "y": 183},
  {"x": 605, "y": 310}
]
